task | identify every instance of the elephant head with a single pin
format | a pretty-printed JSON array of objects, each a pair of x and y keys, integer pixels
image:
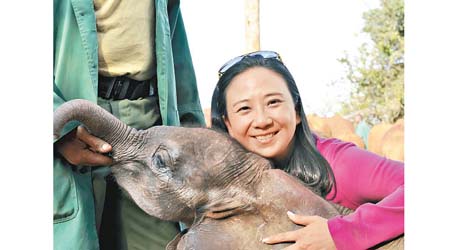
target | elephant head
[{"x": 172, "y": 173}]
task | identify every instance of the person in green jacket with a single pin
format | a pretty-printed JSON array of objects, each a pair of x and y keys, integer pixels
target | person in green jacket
[{"x": 132, "y": 58}]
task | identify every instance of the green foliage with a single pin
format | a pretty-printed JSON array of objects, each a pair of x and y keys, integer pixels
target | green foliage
[{"x": 377, "y": 74}]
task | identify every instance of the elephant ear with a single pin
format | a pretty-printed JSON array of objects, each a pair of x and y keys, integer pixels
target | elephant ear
[{"x": 227, "y": 207}]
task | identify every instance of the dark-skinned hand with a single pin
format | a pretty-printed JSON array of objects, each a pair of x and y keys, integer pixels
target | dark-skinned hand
[
  {"x": 315, "y": 235},
  {"x": 80, "y": 148}
]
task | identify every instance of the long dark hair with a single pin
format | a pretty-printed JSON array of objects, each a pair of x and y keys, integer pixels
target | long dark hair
[{"x": 305, "y": 162}]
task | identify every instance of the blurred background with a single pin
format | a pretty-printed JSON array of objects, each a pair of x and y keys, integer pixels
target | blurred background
[{"x": 347, "y": 58}]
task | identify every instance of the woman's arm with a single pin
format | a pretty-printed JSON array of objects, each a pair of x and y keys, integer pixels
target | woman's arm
[{"x": 370, "y": 184}]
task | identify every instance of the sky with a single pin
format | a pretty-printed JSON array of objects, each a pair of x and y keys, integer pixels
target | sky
[{"x": 309, "y": 35}]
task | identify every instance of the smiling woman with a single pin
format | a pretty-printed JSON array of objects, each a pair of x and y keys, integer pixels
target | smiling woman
[
  {"x": 261, "y": 113},
  {"x": 257, "y": 102},
  {"x": 248, "y": 77}
]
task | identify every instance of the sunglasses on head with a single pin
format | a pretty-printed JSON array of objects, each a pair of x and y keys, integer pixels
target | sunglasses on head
[{"x": 266, "y": 54}]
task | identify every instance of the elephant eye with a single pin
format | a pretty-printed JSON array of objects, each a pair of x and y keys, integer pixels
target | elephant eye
[
  {"x": 158, "y": 161},
  {"x": 161, "y": 159}
]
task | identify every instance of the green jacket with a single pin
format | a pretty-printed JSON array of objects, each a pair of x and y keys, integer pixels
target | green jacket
[{"x": 75, "y": 73}]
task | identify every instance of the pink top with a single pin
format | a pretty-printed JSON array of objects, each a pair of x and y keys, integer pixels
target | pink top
[{"x": 369, "y": 183}]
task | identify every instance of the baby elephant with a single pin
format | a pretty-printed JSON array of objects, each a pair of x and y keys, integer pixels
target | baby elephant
[{"x": 230, "y": 198}]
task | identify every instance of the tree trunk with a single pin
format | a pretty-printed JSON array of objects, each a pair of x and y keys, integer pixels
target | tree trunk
[{"x": 252, "y": 25}]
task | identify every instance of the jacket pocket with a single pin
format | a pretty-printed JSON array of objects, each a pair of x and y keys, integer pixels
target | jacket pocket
[{"x": 65, "y": 198}]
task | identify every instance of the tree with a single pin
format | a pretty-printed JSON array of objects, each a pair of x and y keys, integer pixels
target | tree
[
  {"x": 377, "y": 74},
  {"x": 252, "y": 25}
]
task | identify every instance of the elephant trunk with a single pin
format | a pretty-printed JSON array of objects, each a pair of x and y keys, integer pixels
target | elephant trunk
[{"x": 99, "y": 122}]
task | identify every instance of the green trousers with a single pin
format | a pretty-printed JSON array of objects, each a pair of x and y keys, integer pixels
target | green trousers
[{"x": 124, "y": 225}]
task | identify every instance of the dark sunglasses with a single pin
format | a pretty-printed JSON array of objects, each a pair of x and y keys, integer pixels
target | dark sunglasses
[{"x": 266, "y": 54}]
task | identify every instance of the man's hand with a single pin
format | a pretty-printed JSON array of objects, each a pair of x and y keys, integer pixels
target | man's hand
[
  {"x": 80, "y": 148},
  {"x": 314, "y": 235}
]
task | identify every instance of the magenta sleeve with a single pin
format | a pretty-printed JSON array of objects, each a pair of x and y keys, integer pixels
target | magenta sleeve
[{"x": 371, "y": 185}]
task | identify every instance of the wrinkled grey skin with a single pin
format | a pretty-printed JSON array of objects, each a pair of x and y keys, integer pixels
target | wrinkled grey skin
[{"x": 230, "y": 197}]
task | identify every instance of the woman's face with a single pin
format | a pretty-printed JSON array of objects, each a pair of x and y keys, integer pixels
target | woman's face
[{"x": 261, "y": 112}]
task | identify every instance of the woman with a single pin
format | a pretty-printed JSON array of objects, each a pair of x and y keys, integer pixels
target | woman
[{"x": 257, "y": 102}]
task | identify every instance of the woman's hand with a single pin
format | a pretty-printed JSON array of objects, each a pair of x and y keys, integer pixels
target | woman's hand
[
  {"x": 314, "y": 235},
  {"x": 80, "y": 148}
]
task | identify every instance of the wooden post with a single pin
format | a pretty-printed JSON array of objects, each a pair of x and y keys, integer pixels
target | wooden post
[{"x": 252, "y": 25}]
